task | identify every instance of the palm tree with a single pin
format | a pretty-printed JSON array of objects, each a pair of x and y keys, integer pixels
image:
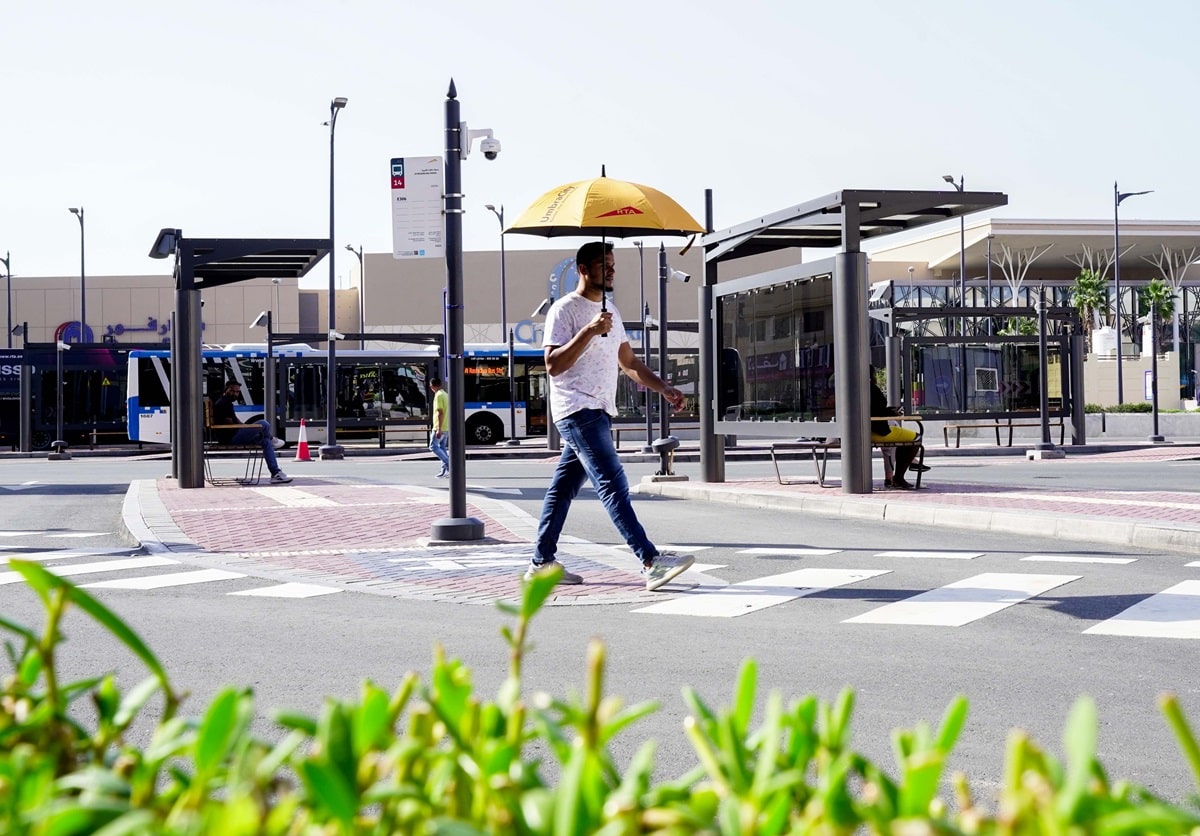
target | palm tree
[
  {"x": 1157, "y": 297},
  {"x": 1089, "y": 296}
]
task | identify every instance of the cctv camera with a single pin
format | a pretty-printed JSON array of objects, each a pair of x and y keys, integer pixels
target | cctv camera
[
  {"x": 680, "y": 276},
  {"x": 490, "y": 148}
]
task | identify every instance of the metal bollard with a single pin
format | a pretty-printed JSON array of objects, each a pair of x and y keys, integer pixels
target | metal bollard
[{"x": 665, "y": 447}]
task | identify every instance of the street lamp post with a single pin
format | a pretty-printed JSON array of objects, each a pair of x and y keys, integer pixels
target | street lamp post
[
  {"x": 505, "y": 332},
  {"x": 277, "y": 282},
  {"x": 362, "y": 276},
  {"x": 264, "y": 320},
  {"x": 1118, "y": 196},
  {"x": 78, "y": 212},
  {"x": 8, "y": 289},
  {"x": 331, "y": 449},
  {"x": 645, "y": 309},
  {"x": 962, "y": 254},
  {"x": 456, "y": 526}
]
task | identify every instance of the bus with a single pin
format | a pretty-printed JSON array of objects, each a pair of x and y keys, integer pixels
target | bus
[
  {"x": 93, "y": 393},
  {"x": 378, "y": 394},
  {"x": 487, "y": 406}
]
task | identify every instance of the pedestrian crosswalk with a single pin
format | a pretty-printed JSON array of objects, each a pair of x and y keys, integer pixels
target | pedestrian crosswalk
[
  {"x": 139, "y": 572},
  {"x": 854, "y": 587}
]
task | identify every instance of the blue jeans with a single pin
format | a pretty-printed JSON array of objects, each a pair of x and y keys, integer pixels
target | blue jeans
[
  {"x": 259, "y": 432},
  {"x": 438, "y": 446},
  {"x": 588, "y": 453}
]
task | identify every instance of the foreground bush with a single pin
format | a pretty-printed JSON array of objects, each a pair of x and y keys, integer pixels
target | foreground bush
[{"x": 436, "y": 758}]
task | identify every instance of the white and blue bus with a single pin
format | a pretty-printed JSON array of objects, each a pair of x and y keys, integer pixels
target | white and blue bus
[
  {"x": 486, "y": 401},
  {"x": 488, "y": 411},
  {"x": 380, "y": 395}
]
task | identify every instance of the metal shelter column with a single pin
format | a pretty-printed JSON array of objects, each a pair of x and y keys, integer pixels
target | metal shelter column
[
  {"x": 850, "y": 350},
  {"x": 186, "y": 371},
  {"x": 712, "y": 450}
]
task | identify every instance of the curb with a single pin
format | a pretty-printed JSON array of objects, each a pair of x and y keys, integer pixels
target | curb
[{"x": 1075, "y": 528}]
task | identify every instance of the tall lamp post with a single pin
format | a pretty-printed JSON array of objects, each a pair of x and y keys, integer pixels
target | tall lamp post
[
  {"x": 78, "y": 212},
  {"x": 331, "y": 449},
  {"x": 648, "y": 447},
  {"x": 505, "y": 331},
  {"x": 962, "y": 253},
  {"x": 8, "y": 290},
  {"x": 362, "y": 316},
  {"x": 1118, "y": 196}
]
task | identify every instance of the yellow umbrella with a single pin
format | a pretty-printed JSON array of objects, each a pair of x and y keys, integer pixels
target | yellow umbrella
[{"x": 607, "y": 208}]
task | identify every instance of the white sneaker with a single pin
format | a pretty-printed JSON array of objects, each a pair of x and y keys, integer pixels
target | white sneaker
[
  {"x": 278, "y": 443},
  {"x": 567, "y": 577},
  {"x": 280, "y": 478},
  {"x": 666, "y": 567}
]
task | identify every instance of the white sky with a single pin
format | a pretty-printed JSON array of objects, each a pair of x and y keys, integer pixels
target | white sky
[{"x": 207, "y": 115}]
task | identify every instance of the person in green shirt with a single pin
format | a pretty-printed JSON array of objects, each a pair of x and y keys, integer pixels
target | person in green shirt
[{"x": 441, "y": 425}]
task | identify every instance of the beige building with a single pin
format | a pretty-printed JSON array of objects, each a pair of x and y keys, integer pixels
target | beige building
[{"x": 408, "y": 295}]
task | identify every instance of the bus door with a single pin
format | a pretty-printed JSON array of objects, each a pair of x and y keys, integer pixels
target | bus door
[{"x": 533, "y": 379}]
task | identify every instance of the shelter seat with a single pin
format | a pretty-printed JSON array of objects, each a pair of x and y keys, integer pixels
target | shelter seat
[{"x": 252, "y": 474}]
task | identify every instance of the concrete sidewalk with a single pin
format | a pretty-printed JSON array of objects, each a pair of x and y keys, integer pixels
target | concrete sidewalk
[{"x": 374, "y": 537}]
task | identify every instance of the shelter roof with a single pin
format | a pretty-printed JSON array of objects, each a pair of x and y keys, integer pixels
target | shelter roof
[{"x": 844, "y": 219}]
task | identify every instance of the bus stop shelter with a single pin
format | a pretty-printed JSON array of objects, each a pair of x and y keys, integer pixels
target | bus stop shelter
[
  {"x": 841, "y": 220},
  {"x": 202, "y": 263}
]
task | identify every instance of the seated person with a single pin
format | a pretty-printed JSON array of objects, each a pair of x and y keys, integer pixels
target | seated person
[
  {"x": 257, "y": 432},
  {"x": 883, "y": 430}
]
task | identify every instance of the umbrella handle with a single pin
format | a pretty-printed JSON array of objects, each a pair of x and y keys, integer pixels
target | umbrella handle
[{"x": 603, "y": 306}]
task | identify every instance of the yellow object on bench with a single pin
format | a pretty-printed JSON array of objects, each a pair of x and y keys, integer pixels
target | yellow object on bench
[
  {"x": 998, "y": 424},
  {"x": 820, "y": 450},
  {"x": 254, "y": 458}
]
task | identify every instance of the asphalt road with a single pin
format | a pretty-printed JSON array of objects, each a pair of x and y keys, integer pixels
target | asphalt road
[{"x": 1021, "y": 667}]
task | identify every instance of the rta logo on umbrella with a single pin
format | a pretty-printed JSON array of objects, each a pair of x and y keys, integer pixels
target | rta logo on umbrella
[{"x": 624, "y": 210}]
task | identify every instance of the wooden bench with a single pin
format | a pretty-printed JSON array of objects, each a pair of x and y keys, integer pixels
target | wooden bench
[
  {"x": 254, "y": 457},
  {"x": 820, "y": 447},
  {"x": 998, "y": 424}
]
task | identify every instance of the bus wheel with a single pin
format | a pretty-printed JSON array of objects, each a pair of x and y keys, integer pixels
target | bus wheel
[
  {"x": 40, "y": 440},
  {"x": 484, "y": 429}
]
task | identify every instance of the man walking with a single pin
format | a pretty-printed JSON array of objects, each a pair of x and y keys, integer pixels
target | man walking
[
  {"x": 440, "y": 433},
  {"x": 585, "y": 345}
]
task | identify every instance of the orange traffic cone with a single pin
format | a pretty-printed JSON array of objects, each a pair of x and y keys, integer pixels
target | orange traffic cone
[{"x": 302, "y": 448}]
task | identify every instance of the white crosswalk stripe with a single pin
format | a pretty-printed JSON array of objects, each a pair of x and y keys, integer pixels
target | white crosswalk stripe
[
  {"x": 90, "y": 568},
  {"x": 964, "y": 601},
  {"x": 1173, "y": 613},
  {"x": 760, "y": 593},
  {"x": 171, "y": 579},
  {"x": 64, "y": 554},
  {"x": 289, "y": 590}
]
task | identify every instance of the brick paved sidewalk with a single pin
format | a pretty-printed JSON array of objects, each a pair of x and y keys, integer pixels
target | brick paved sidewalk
[{"x": 376, "y": 538}]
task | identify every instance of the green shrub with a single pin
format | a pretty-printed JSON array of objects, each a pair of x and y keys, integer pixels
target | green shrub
[
  {"x": 1139, "y": 406},
  {"x": 436, "y": 758}
]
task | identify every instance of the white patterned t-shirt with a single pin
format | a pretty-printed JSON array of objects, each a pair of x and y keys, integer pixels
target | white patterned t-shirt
[{"x": 592, "y": 382}]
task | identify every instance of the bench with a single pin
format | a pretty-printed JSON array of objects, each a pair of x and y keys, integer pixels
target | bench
[
  {"x": 820, "y": 447},
  {"x": 617, "y": 429},
  {"x": 254, "y": 458},
  {"x": 998, "y": 424}
]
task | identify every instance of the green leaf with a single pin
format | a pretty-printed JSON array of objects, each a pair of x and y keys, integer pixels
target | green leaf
[
  {"x": 538, "y": 589},
  {"x": 332, "y": 792},
  {"x": 134, "y": 701},
  {"x": 372, "y": 719},
  {"x": 216, "y": 732},
  {"x": 952, "y": 724},
  {"x": 37, "y": 577},
  {"x": 743, "y": 704}
]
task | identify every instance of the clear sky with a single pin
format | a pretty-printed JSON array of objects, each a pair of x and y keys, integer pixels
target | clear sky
[{"x": 207, "y": 116}]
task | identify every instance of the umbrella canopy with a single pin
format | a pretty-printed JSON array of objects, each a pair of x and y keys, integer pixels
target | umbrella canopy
[{"x": 607, "y": 208}]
